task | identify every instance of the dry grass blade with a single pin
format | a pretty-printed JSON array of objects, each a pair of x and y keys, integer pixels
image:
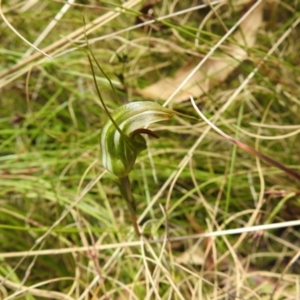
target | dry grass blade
[
  {"x": 36, "y": 290},
  {"x": 214, "y": 70},
  {"x": 36, "y": 58}
]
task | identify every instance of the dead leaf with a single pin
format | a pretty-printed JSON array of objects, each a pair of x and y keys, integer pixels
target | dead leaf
[
  {"x": 214, "y": 70},
  {"x": 192, "y": 256}
]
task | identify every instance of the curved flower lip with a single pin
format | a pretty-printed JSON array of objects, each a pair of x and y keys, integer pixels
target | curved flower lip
[{"x": 144, "y": 131}]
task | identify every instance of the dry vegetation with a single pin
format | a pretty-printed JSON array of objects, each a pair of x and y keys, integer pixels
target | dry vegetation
[{"x": 218, "y": 223}]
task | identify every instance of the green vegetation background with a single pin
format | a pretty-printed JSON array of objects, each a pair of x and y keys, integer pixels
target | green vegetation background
[{"x": 50, "y": 121}]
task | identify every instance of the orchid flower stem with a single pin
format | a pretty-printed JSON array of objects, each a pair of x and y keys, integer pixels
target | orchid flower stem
[{"x": 125, "y": 189}]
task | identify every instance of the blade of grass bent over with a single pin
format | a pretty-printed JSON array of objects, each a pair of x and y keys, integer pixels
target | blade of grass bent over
[{"x": 245, "y": 147}]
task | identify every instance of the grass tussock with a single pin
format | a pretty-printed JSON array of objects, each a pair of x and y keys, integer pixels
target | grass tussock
[{"x": 65, "y": 231}]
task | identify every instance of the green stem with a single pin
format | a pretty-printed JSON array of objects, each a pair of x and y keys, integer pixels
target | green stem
[{"x": 125, "y": 189}]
